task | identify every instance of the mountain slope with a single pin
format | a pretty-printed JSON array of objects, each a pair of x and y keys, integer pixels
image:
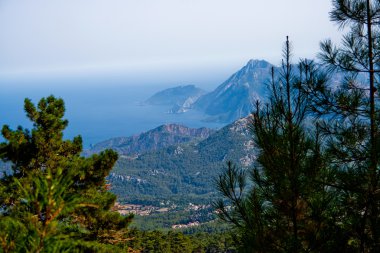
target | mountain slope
[
  {"x": 235, "y": 97},
  {"x": 160, "y": 137},
  {"x": 183, "y": 171}
]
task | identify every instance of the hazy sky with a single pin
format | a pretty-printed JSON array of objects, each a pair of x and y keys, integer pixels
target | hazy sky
[{"x": 140, "y": 35}]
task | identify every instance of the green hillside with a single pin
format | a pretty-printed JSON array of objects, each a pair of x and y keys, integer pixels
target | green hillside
[{"x": 184, "y": 172}]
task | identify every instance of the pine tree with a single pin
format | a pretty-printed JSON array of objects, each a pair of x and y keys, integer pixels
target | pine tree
[
  {"x": 286, "y": 209},
  {"x": 55, "y": 195},
  {"x": 350, "y": 111}
]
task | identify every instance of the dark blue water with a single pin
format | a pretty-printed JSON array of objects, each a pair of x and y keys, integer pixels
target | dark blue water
[{"x": 97, "y": 109}]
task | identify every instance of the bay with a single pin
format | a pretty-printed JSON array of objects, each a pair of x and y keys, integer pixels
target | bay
[{"x": 97, "y": 108}]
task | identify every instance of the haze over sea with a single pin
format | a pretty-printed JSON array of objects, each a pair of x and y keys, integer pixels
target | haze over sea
[
  {"x": 47, "y": 47},
  {"x": 101, "y": 106}
]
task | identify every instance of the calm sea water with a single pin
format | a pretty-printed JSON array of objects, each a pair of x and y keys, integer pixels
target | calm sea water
[{"x": 97, "y": 109}]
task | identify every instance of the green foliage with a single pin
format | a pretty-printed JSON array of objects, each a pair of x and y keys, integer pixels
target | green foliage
[
  {"x": 55, "y": 198},
  {"x": 350, "y": 113},
  {"x": 177, "y": 242},
  {"x": 337, "y": 189},
  {"x": 284, "y": 207},
  {"x": 165, "y": 221},
  {"x": 12, "y": 234},
  {"x": 182, "y": 173}
]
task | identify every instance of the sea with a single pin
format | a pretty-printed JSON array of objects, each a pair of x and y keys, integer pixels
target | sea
[{"x": 97, "y": 108}]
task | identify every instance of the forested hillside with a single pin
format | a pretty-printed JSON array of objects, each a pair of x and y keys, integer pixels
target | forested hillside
[
  {"x": 155, "y": 139},
  {"x": 185, "y": 172}
]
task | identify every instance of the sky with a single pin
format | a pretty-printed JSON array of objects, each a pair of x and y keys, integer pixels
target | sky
[{"x": 141, "y": 37}]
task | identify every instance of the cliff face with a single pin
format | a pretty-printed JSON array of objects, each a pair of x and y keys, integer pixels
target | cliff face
[
  {"x": 235, "y": 97},
  {"x": 160, "y": 137}
]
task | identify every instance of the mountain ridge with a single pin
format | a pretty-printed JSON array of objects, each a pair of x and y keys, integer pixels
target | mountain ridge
[
  {"x": 159, "y": 137},
  {"x": 235, "y": 97},
  {"x": 185, "y": 170},
  {"x": 231, "y": 100}
]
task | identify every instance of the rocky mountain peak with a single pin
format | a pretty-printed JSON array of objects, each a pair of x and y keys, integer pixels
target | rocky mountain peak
[
  {"x": 181, "y": 130},
  {"x": 235, "y": 97},
  {"x": 160, "y": 137},
  {"x": 255, "y": 64}
]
